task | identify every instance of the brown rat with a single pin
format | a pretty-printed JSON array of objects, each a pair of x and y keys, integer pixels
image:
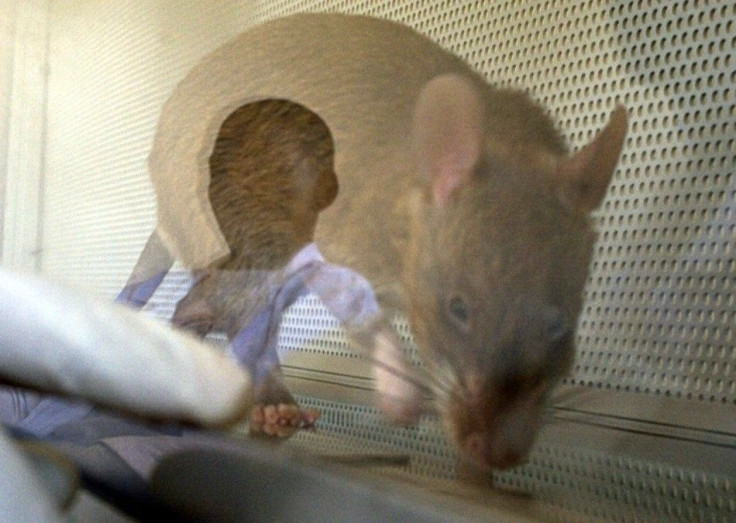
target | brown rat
[{"x": 458, "y": 201}]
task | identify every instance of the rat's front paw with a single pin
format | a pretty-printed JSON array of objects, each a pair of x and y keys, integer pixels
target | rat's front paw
[
  {"x": 281, "y": 420},
  {"x": 400, "y": 410},
  {"x": 397, "y": 395},
  {"x": 275, "y": 413}
]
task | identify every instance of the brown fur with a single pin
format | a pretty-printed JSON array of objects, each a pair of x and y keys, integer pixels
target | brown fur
[{"x": 271, "y": 175}]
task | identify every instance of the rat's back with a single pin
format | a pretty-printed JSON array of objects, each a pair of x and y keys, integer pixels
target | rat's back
[{"x": 361, "y": 75}]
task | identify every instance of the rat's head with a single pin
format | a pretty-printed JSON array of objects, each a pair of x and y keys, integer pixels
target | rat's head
[{"x": 500, "y": 247}]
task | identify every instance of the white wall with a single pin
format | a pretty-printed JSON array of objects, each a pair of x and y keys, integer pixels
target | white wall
[
  {"x": 114, "y": 63},
  {"x": 7, "y": 34},
  {"x": 23, "y": 67}
]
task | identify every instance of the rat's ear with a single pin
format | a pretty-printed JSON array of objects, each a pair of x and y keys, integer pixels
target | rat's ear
[
  {"x": 584, "y": 176},
  {"x": 447, "y": 134}
]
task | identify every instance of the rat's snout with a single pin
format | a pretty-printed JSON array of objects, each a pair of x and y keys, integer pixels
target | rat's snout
[
  {"x": 491, "y": 453},
  {"x": 504, "y": 443},
  {"x": 491, "y": 430}
]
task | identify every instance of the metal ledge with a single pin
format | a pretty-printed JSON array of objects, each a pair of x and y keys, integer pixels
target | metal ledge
[{"x": 683, "y": 433}]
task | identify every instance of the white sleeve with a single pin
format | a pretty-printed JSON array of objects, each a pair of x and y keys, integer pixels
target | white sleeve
[{"x": 58, "y": 340}]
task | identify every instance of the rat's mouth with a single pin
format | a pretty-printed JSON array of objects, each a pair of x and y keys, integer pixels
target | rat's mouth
[
  {"x": 493, "y": 440},
  {"x": 481, "y": 451}
]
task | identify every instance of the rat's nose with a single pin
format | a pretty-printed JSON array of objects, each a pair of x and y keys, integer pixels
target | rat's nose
[
  {"x": 510, "y": 458},
  {"x": 485, "y": 452},
  {"x": 475, "y": 447}
]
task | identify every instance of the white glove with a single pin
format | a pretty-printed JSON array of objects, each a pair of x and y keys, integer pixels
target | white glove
[{"x": 57, "y": 340}]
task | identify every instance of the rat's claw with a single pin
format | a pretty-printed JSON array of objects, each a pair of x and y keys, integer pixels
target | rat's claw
[
  {"x": 309, "y": 417},
  {"x": 256, "y": 416},
  {"x": 271, "y": 415}
]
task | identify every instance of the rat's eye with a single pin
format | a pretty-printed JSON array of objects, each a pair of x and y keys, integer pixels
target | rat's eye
[{"x": 459, "y": 311}]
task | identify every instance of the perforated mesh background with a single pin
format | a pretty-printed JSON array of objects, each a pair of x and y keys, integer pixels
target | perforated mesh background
[
  {"x": 659, "y": 320},
  {"x": 592, "y": 483}
]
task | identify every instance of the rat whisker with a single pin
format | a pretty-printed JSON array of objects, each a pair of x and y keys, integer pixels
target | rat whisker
[
  {"x": 409, "y": 378},
  {"x": 443, "y": 382}
]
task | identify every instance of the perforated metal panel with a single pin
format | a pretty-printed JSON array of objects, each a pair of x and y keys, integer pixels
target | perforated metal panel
[
  {"x": 645, "y": 428},
  {"x": 592, "y": 483}
]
